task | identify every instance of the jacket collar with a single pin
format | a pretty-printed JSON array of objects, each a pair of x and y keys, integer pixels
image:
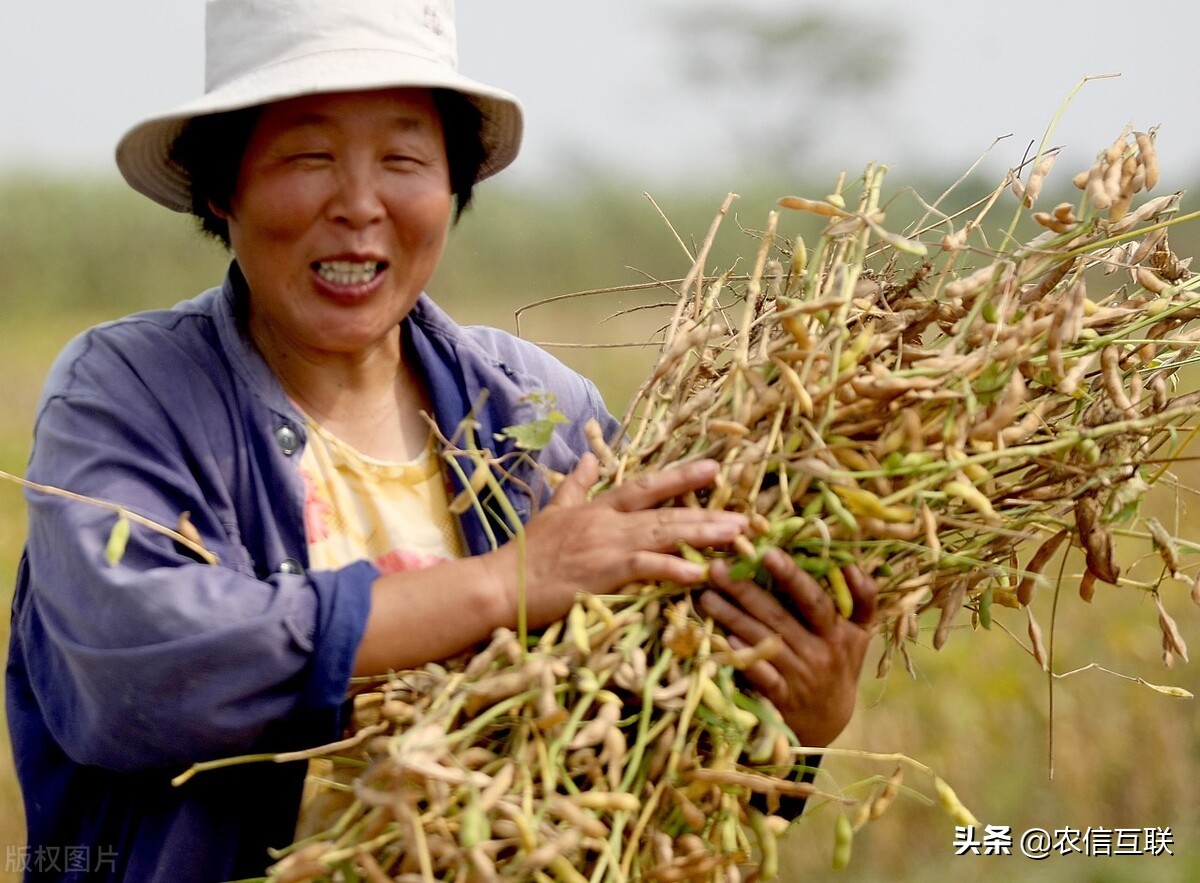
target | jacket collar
[{"x": 463, "y": 376}]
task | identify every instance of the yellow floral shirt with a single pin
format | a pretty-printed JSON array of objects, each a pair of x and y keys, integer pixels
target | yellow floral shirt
[{"x": 356, "y": 507}]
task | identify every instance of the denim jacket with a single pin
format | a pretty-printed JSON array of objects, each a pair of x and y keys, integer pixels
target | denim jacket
[{"x": 121, "y": 675}]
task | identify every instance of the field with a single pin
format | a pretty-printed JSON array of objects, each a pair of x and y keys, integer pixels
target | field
[{"x": 979, "y": 712}]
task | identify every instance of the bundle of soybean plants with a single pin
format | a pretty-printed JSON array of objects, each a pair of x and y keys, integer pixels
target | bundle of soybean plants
[{"x": 954, "y": 407}]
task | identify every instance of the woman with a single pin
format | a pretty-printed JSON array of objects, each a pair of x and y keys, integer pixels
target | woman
[{"x": 282, "y": 416}]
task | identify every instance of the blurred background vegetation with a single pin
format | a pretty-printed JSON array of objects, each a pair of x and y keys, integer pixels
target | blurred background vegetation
[{"x": 77, "y": 250}]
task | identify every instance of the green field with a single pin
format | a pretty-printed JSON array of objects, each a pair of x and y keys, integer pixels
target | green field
[{"x": 978, "y": 712}]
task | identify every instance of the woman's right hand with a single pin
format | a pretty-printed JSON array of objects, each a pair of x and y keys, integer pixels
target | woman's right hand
[
  {"x": 573, "y": 545},
  {"x": 618, "y": 537}
]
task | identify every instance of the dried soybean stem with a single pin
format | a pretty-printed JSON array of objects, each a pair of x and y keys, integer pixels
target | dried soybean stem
[{"x": 121, "y": 511}]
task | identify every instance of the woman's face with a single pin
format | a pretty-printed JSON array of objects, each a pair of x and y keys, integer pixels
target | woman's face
[{"x": 339, "y": 216}]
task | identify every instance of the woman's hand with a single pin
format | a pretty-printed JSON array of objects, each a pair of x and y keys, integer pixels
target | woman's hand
[
  {"x": 573, "y": 545},
  {"x": 813, "y": 680},
  {"x": 579, "y": 545}
]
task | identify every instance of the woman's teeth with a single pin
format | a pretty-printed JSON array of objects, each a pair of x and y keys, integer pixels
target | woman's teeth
[{"x": 347, "y": 272}]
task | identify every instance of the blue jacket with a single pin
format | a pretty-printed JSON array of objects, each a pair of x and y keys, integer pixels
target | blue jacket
[{"x": 120, "y": 677}]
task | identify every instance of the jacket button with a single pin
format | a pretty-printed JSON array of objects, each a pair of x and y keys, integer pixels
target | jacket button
[
  {"x": 287, "y": 439},
  {"x": 291, "y": 565}
]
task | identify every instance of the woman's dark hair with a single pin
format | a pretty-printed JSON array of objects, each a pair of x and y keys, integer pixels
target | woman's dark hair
[
  {"x": 462, "y": 132},
  {"x": 210, "y": 148}
]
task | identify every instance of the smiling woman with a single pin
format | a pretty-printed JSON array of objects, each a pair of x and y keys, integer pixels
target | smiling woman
[{"x": 285, "y": 417}]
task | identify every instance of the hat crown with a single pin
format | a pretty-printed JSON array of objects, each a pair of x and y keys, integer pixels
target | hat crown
[
  {"x": 243, "y": 36},
  {"x": 261, "y": 51}
]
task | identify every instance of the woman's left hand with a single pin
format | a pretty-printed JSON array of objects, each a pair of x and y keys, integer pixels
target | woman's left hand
[{"x": 813, "y": 679}]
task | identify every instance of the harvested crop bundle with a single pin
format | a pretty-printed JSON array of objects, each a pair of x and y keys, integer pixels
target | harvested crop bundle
[{"x": 956, "y": 412}]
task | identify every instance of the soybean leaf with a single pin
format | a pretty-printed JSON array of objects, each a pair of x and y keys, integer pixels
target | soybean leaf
[
  {"x": 118, "y": 538},
  {"x": 536, "y": 434}
]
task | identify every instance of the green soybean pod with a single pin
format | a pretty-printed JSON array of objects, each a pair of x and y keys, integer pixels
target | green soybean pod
[{"x": 843, "y": 840}]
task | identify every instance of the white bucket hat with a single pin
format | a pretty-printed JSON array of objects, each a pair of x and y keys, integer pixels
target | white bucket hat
[{"x": 259, "y": 51}]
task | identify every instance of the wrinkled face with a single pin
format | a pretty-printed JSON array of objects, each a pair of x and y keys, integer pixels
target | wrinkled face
[{"x": 339, "y": 217}]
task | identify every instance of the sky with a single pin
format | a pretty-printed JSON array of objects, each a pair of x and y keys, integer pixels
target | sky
[{"x": 606, "y": 86}]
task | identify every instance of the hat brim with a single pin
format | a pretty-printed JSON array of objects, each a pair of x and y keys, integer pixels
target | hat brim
[{"x": 144, "y": 152}]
